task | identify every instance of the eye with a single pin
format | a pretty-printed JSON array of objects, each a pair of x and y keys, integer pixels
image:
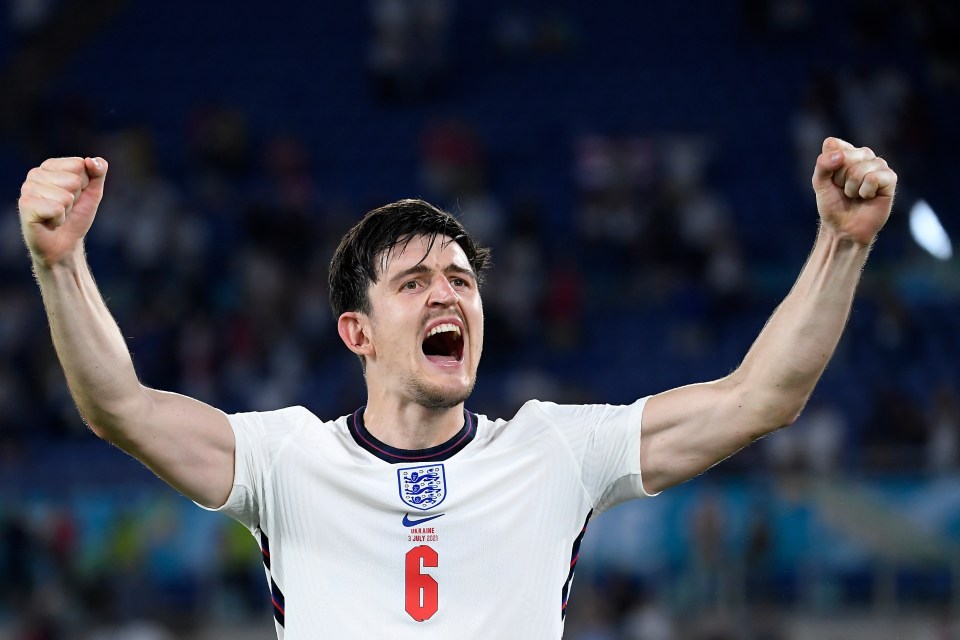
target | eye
[
  {"x": 460, "y": 282},
  {"x": 411, "y": 285}
]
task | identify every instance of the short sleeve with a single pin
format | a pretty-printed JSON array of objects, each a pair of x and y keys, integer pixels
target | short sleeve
[
  {"x": 605, "y": 440},
  {"x": 259, "y": 437}
]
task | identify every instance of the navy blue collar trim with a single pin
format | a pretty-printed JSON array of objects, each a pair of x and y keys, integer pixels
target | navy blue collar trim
[{"x": 390, "y": 454}]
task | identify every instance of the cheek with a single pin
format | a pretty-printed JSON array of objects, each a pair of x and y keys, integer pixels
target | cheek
[{"x": 478, "y": 331}]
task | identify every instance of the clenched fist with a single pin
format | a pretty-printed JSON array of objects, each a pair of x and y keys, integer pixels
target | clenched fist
[
  {"x": 854, "y": 190},
  {"x": 58, "y": 202}
]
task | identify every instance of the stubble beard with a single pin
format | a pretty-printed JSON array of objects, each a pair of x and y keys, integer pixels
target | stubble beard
[{"x": 437, "y": 399}]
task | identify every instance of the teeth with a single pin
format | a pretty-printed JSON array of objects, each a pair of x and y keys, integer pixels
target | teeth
[{"x": 440, "y": 328}]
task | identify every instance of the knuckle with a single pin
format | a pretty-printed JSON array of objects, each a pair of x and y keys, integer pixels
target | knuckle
[
  {"x": 30, "y": 188},
  {"x": 72, "y": 164},
  {"x": 73, "y": 183}
]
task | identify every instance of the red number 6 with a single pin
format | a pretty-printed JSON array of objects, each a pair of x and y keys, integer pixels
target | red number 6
[{"x": 422, "y": 590}]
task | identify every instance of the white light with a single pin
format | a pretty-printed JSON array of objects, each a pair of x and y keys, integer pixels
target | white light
[{"x": 927, "y": 231}]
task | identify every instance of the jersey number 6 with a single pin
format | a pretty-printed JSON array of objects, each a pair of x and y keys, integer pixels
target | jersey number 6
[{"x": 422, "y": 590}]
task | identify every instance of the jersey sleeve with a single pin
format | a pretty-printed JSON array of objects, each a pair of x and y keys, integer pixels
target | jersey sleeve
[
  {"x": 605, "y": 441},
  {"x": 260, "y": 437}
]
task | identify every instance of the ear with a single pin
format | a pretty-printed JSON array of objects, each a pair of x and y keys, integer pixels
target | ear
[{"x": 352, "y": 327}]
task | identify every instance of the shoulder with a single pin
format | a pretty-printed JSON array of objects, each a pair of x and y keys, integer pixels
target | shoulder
[
  {"x": 532, "y": 412},
  {"x": 584, "y": 414},
  {"x": 533, "y": 418},
  {"x": 283, "y": 424}
]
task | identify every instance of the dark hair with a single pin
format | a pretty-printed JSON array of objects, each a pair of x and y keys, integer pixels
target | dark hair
[{"x": 363, "y": 251}]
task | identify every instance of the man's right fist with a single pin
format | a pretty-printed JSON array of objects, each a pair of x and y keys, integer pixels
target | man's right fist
[{"x": 58, "y": 201}]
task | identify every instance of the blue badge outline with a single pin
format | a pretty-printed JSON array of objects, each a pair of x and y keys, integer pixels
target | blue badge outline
[{"x": 443, "y": 483}]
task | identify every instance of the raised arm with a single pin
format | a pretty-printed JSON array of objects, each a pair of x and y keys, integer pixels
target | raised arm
[
  {"x": 689, "y": 429},
  {"x": 187, "y": 443}
]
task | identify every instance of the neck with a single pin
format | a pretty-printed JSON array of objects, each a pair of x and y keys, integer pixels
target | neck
[{"x": 407, "y": 425}]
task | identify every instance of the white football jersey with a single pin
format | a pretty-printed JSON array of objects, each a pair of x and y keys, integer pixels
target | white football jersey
[{"x": 475, "y": 538}]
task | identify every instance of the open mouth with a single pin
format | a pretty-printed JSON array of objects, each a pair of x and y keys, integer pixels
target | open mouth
[{"x": 444, "y": 343}]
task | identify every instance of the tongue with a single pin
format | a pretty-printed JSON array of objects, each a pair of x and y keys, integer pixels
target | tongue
[{"x": 442, "y": 359}]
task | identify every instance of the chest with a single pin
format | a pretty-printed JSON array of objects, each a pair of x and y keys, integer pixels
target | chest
[
  {"x": 426, "y": 540},
  {"x": 513, "y": 497}
]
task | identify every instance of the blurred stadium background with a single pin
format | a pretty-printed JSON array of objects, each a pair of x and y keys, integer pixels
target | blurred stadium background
[{"x": 642, "y": 172}]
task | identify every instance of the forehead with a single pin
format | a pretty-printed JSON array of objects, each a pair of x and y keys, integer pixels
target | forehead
[{"x": 443, "y": 253}]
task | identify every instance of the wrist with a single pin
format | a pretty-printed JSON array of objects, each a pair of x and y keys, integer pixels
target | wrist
[
  {"x": 69, "y": 260},
  {"x": 834, "y": 250},
  {"x": 845, "y": 242}
]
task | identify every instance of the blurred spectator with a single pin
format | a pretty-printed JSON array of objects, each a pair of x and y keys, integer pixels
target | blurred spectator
[
  {"x": 564, "y": 304},
  {"x": 648, "y": 619},
  {"x": 409, "y": 56},
  {"x": 935, "y": 26},
  {"x": 520, "y": 34},
  {"x": 239, "y": 591},
  {"x": 818, "y": 116},
  {"x": 813, "y": 443},
  {"x": 871, "y": 100},
  {"x": 614, "y": 175},
  {"x": 219, "y": 141},
  {"x": 896, "y": 431},
  {"x": 139, "y": 220},
  {"x": 590, "y": 616},
  {"x": 758, "y": 550},
  {"x": 17, "y": 559},
  {"x": 711, "y": 251},
  {"x": 709, "y": 563},
  {"x": 452, "y": 159},
  {"x": 943, "y": 444}
]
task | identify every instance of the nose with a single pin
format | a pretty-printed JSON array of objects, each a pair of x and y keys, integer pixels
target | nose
[{"x": 442, "y": 294}]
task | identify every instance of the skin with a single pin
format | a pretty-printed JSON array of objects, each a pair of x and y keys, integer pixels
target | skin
[
  {"x": 689, "y": 429},
  {"x": 419, "y": 288},
  {"x": 685, "y": 431}
]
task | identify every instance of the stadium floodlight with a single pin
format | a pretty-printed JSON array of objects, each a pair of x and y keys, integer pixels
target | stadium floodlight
[{"x": 927, "y": 231}]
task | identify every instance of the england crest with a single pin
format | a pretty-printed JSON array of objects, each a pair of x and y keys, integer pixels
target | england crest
[{"x": 422, "y": 487}]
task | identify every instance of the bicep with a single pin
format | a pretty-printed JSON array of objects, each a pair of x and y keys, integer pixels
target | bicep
[
  {"x": 689, "y": 429},
  {"x": 187, "y": 443}
]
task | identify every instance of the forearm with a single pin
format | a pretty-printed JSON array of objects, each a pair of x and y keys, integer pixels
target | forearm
[
  {"x": 782, "y": 367},
  {"x": 91, "y": 349},
  {"x": 689, "y": 429}
]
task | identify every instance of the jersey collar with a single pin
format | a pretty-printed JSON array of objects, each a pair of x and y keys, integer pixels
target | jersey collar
[{"x": 390, "y": 454}]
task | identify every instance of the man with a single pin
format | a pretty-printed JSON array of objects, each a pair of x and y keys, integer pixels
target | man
[{"x": 413, "y": 517}]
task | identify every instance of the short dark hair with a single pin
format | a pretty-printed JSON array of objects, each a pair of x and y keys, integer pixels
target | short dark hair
[{"x": 362, "y": 253}]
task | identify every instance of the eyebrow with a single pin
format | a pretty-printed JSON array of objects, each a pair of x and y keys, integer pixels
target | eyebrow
[{"x": 422, "y": 269}]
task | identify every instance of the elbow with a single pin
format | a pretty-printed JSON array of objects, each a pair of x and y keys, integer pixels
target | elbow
[
  {"x": 792, "y": 408},
  {"x": 97, "y": 428},
  {"x": 114, "y": 422},
  {"x": 791, "y": 418},
  {"x": 767, "y": 411},
  {"x": 106, "y": 428},
  {"x": 784, "y": 414}
]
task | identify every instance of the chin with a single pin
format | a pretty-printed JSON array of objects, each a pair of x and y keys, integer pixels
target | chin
[{"x": 440, "y": 397}]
